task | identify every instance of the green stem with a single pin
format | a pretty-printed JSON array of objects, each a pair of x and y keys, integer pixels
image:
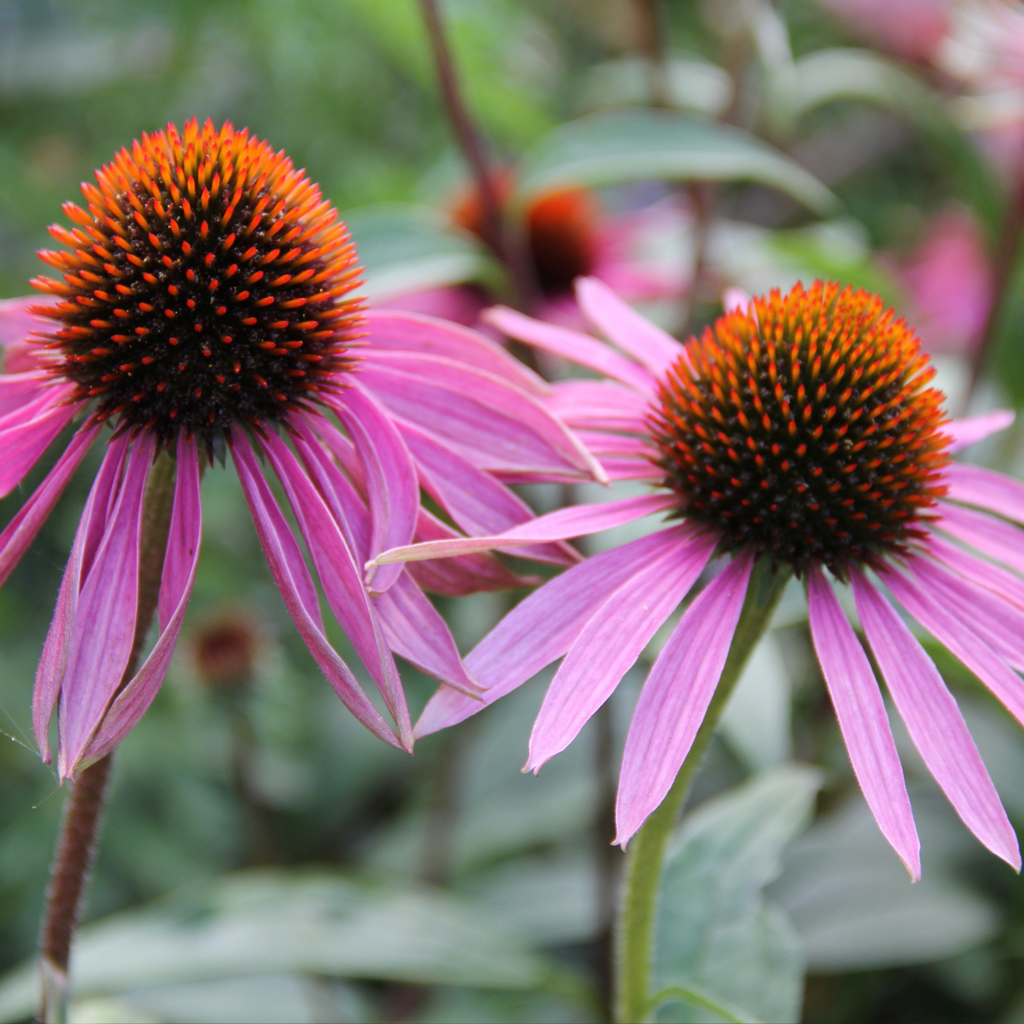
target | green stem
[
  {"x": 645, "y": 859},
  {"x": 82, "y": 815}
]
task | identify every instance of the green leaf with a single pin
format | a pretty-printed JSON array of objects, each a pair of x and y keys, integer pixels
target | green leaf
[
  {"x": 269, "y": 922},
  {"x": 716, "y": 936},
  {"x": 407, "y": 248},
  {"x": 631, "y": 145},
  {"x": 853, "y": 904},
  {"x": 850, "y": 74}
]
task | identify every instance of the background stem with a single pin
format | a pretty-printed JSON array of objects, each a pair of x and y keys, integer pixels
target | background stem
[
  {"x": 83, "y": 810},
  {"x": 646, "y": 856}
]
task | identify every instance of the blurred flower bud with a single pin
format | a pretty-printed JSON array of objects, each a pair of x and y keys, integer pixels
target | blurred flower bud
[{"x": 225, "y": 650}]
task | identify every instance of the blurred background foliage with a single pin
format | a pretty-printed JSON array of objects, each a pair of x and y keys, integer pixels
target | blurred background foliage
[{"x": 264, "y": 857}]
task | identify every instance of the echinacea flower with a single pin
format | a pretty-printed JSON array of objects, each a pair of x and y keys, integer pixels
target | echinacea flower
[
  {"x": 568, "y": 234},
  {"x": 207, "y": 301},
  {"x": 800, "y": 430}
]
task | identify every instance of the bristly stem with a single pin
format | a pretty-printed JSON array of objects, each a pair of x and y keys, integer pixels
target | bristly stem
[
  {"x": 505, "y": 243},
  {"x": 634, "y": 952},
  {"x": 82, "y": 816}
]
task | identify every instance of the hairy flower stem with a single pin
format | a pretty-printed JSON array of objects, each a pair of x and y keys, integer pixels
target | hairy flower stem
[
  {"x": 508, "y": 244},
  {"x": 645, "y": 860},
  {"x": 83, "y": 809}
]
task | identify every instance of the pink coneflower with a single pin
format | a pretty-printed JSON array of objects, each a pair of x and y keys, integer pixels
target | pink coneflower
[
  {"x": 568, "y": 234},
  {"x": 800, "y": 430},
  {"x": 207, "y": 302}
]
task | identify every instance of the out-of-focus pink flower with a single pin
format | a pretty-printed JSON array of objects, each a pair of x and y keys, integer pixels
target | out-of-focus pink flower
[
  {"x": 911, "y": 29},
  {"x": 206, "y": 299},
  {"x": 568, "y": 235},
  {"x": 798, "y": 431},
  {"x": 949, "y": 283}
]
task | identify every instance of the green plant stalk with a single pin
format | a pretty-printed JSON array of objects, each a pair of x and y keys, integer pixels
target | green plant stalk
[
  {"x": 634, "y": 946},
  {"x": 82, "y": 816}
]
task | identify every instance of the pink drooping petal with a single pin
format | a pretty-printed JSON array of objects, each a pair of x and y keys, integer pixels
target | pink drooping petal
[
  {"x": 391, "y": 484},
  {"x": 477, "y": 503},
  {"x": 998, "y": 580},
  {"x": 973, "y": 429},
  {"x": 21, "y": 352},
  {"x": 603, "y": 443},
  {"x": 491, "y": 423},
  {"x": 416, "y": 632},
  {"x": 181, "y": 559},
  {"x": 934, "y": 721},
  {"x": 103, "y": 630},
  {"x": 999, "y": 540},
  {"x": 574, "y": 521},
  {"x": 468, "y": 574},
  {"x": 622, "y": 468},
  {"x": 599, "y": 405},
  {"x": 298, "y": 591},
  {"x": 345, "y": 503},
  {"x": 340, "y": 447},
  {"x": 863, "y": 721},
  {"x": 341, "y": 580},
  {"x": 388, "y": 330},
  {"x": 610, "y": 643},
  {"x": 22, "y": 529},
  {"x": 19, "y": 389},
  {"x": 545, "y": 625},
  {"x": 935, "y": 612},
  {"x": 27, "y": 432},
  {"x": 572, "y": 345},
  {"x": 91, "y": 527},
  {"x": 997, "y": 621},
  {"x": 974, "y": 485},
  {"x": 676, "y": 695},
  {"x": 634, "y": 334}
]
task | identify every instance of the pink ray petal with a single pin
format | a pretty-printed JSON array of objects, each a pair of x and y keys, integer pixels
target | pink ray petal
[
  {"x": 466, "y": 574},
  {"x": 622, "y": 468},
  {"x": 103, "y": 630},
  {"x": 994, "y": 619},
  {"x": 602, "y": 442},
  {"x": 996, "y": 579},
  {"x": 493, "y": 424},
  {"x": 574, "y": 521},
  {"x": 974, "y": 485},
  {"x": 27, "y": 432},
  {"x": 392, "y": 488},
  {"x": 545, "y": 625},
  {"x": 599, "y": 405},
  {"x": 997, "y": 539},
  {"x": 416, "y": 632},
  {"x": 477, "y": 503},
  {"x": 572, "y": 345},
  {"x": 19, "y": 389},
  {"x": 341, "y": 497},
  {"x": 22, "y": 529},
  {"x": 341, "y": 580},
  {"x": 415, "y": 332},
  {"x": 181, "y": 560},
  {"x": 634, "y": 334},
  {"x": 676, "y": 695},
  {"x": 298, "y": 591},
  {"x": 735, "y": 299},
  {"x": 340, "y": 447},
  {"x": 863, "y": 721},
  {"x": 933, "y": 610},
  {"x": 934, "y": 721},
  {"x": 610, "y": 643},
  {"x": 91, "y": 527},
  {"x": 973, "y": 429}
]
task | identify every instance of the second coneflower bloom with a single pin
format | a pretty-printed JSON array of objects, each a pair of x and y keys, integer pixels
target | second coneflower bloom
[
  {"x": 206, "y": 302},
  {"x": 800, "y": 430}
]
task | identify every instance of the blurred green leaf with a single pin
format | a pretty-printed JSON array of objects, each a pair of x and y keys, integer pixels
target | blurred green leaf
[
  {"x": 637, "y": 145},
  {"x": 716, "y": 935},
  {"x": 271, "y": 922},
  {"x": 850, "y": 74},
  {"x": 407, "y": 248},
  {"x": 852, "y": 902}
]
